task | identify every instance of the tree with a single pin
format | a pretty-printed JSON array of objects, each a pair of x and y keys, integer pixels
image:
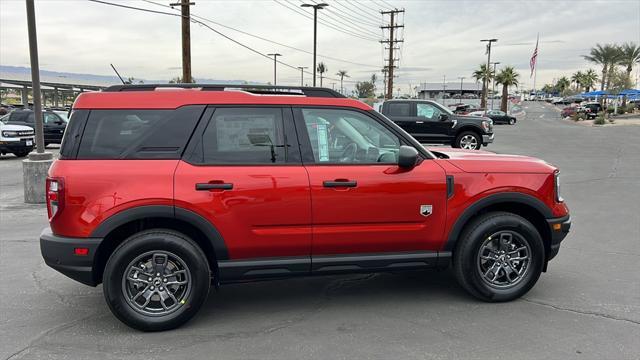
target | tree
[
  {"x": 485, "y": 75},
  {"x": 629, "y": 55},
  {"x": 178, "y": 80},
  {"x": 562, "y": 84},
  {"x": 589, "y": 79},
  {"x": 507, "y": 77},
  {"x": 607, "y": 56},
  {"x": 577, "y": 78},
  {"x": 321, "y": 69},
  {"x": 342, "y": 74},
  {"x": 366, "y": 89}
]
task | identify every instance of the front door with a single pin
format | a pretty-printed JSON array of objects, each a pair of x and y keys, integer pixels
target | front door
[
  {"x": 242, "y": 173},
  {"x": 362, "y": 202},
  {"x": 429, "y": 116}
]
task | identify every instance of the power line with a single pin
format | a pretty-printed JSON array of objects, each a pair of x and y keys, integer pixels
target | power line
[
  {"x": 363, "y": 21},
  {"x": 357, "y": 4},
  {"x": 350, "y": 20},
  {"x": 352, "y": 27},
  {"x": 324, "y": 21},
  {"x": 265, "y": 39},
  {"x": 206, "y": 26},
  {"x": 356, "y": 13}
]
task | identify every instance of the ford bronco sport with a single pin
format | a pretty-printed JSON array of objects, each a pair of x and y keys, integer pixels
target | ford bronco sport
[{"x": 160, "y": 192}]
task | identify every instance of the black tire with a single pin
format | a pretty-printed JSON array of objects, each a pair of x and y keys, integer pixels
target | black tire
[
  {"x": 465, "y": 136},
  {"x": 156, "y": 241},
  {"x": 21, "y": 153},
  {"x": 512, "y": 121},
  {"x": 467, "y": 263}
]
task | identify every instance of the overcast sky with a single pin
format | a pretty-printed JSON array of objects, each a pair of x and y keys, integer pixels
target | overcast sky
[{"x": 441, "y": 37}]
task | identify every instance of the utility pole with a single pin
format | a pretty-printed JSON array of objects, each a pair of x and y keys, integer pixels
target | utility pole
[
  {"x": 485, "y": 82},
  {"x": 493, "y": 83},
  {"x": 444, "y": 89},
  {"x": 315, "y": 7},
  {"x": 384, "y": 80},
  {"x": 392, "y": 42},
  {"x": 302, "y": 74},
  {"x": 186, "y": 39},
  {"x": 275, "y": 63},
  {"x": 461, "y": 80}
]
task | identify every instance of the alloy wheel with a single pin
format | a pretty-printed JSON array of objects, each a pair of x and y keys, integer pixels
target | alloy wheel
[
  {"x": 504, "y": 259},
  {"x": 469, "y": 142},
  {"x": 156, "y": 283}
]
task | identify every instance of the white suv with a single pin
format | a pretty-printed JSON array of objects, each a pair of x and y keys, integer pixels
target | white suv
[{"x": 15, "y": 139}]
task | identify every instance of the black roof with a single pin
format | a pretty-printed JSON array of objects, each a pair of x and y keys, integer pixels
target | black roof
[{"x": 256, "y": 89}]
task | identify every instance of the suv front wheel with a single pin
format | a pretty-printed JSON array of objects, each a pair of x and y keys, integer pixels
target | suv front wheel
[
  {"x": 156, "y": 280},
  {"x": 499, "y": 257},
  {"x": 468, "y": 140}
]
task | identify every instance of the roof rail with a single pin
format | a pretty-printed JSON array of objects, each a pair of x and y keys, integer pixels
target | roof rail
[{"x": 255, "y": 89}]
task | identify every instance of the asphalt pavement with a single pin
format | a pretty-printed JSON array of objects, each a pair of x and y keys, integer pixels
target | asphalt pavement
[{"x": 587, "y": 306}]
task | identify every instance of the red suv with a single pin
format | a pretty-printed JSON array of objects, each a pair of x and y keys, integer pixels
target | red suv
[{"x": 160, "y": 192}]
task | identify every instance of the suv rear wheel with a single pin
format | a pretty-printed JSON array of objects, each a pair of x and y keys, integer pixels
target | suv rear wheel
[
  {"x": 21, "y": 153},
  {"x": 468, "y": 140},
  {"x": 499, "y": 257},
  {"x": 156, "y": 280}
]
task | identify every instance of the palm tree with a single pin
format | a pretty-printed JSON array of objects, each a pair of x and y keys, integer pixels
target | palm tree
[
  {"x": 563, "y": 84},
  {"x": 485, "y": 75},
  {"x": 507, "y": 77},
  {"x": 321, "y": 69},
  {"x": 607, "y": 56},
  {"x": 629, "y": 55},
  {"x": 577, "y": 78},
  {"x": 589, "y": 79},
  {"x": 342, "y": 74}
]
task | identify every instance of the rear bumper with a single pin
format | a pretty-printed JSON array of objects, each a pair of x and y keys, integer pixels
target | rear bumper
[
  {"x": 487, "y": 139},
  {"x": 58, "y": 253},
  {"x": 559, "y": 228}
]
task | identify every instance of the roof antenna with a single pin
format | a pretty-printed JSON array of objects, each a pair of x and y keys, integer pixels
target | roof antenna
[{"x": 114, "y": 69}]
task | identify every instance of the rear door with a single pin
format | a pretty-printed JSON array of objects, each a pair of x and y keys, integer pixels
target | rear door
[
  {"x": 242, "y": 172},
  {"x": 53, "y": 127},
  {"x": 362, "y": 202},
  {"x": 402, "y": 113}
]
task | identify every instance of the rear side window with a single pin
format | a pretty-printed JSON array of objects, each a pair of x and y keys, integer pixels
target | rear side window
[
  {"x": 399, "y": 109},
  {"x": 22, "y": 116},
  {"x": 138, "y": 134},
  {"x": 244, "y": 136}
]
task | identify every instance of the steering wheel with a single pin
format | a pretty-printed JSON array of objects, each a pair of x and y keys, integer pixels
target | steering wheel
[{"x": 349, "y": 153}]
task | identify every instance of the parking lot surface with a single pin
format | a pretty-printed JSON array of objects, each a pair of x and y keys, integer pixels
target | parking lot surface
[{"x": 587, "y": 306}]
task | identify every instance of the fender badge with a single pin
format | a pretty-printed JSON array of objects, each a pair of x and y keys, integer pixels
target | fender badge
[{"x": 426, "y": 210}]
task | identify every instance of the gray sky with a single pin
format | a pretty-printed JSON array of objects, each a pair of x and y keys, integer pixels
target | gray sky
[{"x": 441, "y": 37}]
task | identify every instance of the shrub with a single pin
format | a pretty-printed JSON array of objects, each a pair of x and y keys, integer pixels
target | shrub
[
  {"x": 621, "y": 110},
  {"x": 599, "y": 120},
  {"x": 610, "y": 110}
]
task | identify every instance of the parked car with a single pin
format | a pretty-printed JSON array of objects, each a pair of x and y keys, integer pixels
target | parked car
[
  {"x": 53, "y": 124},
  {"x": 568, "y": 111},
  {"x": 159, "y": 194},
  {"x": 500, "y": 117},
  {"x": 592, "y": 109},
  {"x": 430, "y": 122},
  {"x": 15, "y": 139}
]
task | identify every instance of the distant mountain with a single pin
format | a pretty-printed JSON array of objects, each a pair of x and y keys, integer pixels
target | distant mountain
[{"x": 24, "y": 74}]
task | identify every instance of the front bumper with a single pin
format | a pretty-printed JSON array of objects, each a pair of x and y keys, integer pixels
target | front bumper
[
  {"x": 559, "y": 228},
  {"x": 59, "y": 253},
  {"x": 487, "y": 139},
  {"x": 11, "y": 146}
]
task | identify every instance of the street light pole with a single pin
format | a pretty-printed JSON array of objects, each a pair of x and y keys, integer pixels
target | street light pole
[
  {"x": 275, "y": 63},
  {"x": 493, "y": 83},
  {"x": 461, "y": 80},
  {"x": 302, "y": 74},
  {"x": 485, "y": 82},
  {"x": 315, "y": 7}
]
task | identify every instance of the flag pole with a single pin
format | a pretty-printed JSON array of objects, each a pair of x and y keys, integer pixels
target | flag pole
[{"x": 535, "y": 69}]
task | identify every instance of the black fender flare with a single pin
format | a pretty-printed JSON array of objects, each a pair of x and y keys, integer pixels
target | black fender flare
[
  {"x": 508, "y": 197},
  {"x": 165, "y": 211}
]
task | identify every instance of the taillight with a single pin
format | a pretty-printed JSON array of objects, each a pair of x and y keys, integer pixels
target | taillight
[{"x": 55, "y": 196}]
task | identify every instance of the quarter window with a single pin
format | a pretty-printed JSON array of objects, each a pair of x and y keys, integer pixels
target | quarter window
[
  {"x": 346, "y": 136},
  {"x": 244, "y": 136},
  {"x": 399, "y": 109}
]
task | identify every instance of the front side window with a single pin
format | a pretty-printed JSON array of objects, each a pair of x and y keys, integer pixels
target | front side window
[
  {"x": 244, "y": 136},
  {"x": 51, "y": 118},
  {"x": 428, "y": 112},
  {"x": 349, "y": 137}
]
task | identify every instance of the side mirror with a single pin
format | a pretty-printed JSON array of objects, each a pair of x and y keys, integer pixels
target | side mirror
[
  {"x": 444, "y": 117},
  {"x": 407, "y": 157}
]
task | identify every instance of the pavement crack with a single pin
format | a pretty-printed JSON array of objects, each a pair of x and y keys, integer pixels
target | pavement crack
[{"x": 581, "y": 312}]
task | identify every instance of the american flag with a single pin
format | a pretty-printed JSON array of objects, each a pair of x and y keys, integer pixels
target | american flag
[{"x": 534, "y": 57}]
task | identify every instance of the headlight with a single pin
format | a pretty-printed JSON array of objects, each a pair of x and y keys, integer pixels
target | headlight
[
  {"x": 557, "y": 187},
  {"x": 9, "y": 133},
  {"x": 486, "y": 125}
]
